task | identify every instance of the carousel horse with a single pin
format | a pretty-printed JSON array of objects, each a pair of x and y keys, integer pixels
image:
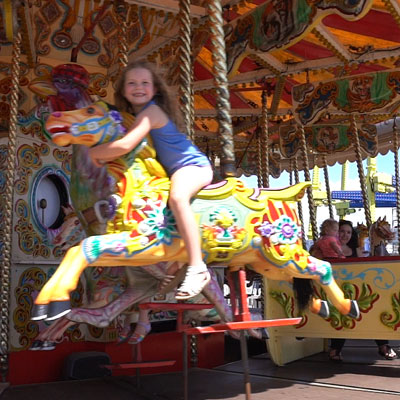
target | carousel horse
[
  {"x": 380, "y": 234},
  {"x": 239, "y": 226},
  {"x": 363, "y": 238},
  {"x": 141, "y": 283}
]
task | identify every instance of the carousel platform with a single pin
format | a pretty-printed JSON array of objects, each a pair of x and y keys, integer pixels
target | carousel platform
[{"x": 362, "y": 375}]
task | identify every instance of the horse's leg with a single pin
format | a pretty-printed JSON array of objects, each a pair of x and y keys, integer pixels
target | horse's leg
[
  {"x": 142, "y": 285},
  {"x": 58, "y": 287},
  {"x": 47, "y": 338},
  {"x": 213, "y": 293},
  {"x": 322, "y": 271}
]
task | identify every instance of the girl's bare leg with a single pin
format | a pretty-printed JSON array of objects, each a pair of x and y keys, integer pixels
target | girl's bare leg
[{"x": 185, "y": 183}]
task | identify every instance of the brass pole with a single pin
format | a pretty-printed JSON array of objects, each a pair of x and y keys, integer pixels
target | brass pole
[
  {"x": 264, "y": 134},
  {"x": 361, "y": 173},
  {"x": 397, "y": 177},
  {"x": 122, "y": 13},
  {"x": 307, "y": 178},
  {"x": 299, "y": 206},
  {"x": 218, "y": 53},
  {"x": 327, "y": 187},
  {"x": 185, "y": 65},
  {"x": 8, "y": 209}
]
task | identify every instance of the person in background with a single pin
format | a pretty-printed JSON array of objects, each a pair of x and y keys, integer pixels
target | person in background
[
  {"x": 328, "y": 245},
  {"x": 348, "y": 239}
]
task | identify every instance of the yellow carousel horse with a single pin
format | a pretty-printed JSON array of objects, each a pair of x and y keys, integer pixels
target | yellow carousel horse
[{"x": 240, "y": 226}]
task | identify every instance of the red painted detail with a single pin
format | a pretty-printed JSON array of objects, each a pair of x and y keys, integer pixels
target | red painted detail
[
  {"x": 247, "y": 65},
  {"x": 288, "y": 211},
  {"x": 210, "y": 98},
  {"x": 363, "y": 68},
  {"x": 310, "y": 51},
  {"x": 272, "y": 210},
  {"x": 237, "y": 102},
  {"x": 216, "y": 328},
  {"x": 200, "y": 72},
  {"x": 122, "y": 186},
  {"x": 244, "y": 314},
  {"x": 375, "y": 24},
  {"x": 28, "y": 367}
]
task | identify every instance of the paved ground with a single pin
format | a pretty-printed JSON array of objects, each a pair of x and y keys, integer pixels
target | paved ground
[{"x": 363, "y": 375}]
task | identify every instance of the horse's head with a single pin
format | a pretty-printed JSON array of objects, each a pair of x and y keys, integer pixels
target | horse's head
[
  {"x": 362, "y": 230},
  {"x": 382, "y": 230},
  {"x": 89, "y": 126}
]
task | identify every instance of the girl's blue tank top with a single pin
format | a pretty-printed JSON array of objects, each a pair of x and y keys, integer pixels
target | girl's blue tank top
[{"x": 174, "y": 149}]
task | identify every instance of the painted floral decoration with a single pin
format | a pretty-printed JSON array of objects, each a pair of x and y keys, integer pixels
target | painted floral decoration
[
  {"x": 161, "y": 222},
  {"x": 282, "y": 231}
]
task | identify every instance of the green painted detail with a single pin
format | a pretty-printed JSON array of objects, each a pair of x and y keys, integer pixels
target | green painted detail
[{"x": 390, "y": 320}]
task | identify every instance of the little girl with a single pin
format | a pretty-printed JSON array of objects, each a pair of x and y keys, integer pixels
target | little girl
[
  {"x": 328, "y": 244},
  {"x": 141, "y": 91}
]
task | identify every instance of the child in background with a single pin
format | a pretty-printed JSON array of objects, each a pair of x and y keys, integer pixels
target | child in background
[
  {"x": 328, "y": 244},
  {"x": 141, "y": 91}
]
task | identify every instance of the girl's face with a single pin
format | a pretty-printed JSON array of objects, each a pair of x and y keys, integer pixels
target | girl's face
[
  {"x": 138, "y": 87},
  {"x": 345, "y": 233}
]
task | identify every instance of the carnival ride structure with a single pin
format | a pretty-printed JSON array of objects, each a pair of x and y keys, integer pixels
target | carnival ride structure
[{"x": 273, "y": 86}]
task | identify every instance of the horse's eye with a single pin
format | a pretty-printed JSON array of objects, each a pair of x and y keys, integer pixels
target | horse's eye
[{"x": 90, "y": 110}]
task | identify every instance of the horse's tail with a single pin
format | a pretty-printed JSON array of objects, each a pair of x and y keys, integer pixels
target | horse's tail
[{"x": 303, "y": 292}]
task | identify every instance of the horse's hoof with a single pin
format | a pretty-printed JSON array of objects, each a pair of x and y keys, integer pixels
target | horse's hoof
[
  {"x": 324, "y": 309},
  {"x": 354, "y": 310},
  {"x": 39, "y": 311},
  {"x": 36, "y": 345},
  {"x": 58, "y": 309}
]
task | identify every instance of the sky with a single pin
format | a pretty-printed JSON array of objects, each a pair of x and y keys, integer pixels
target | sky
[{"x": 385, "y": 163}]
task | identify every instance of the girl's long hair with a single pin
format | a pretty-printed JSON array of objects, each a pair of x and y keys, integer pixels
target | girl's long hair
[{"x": 163, "y": 97}]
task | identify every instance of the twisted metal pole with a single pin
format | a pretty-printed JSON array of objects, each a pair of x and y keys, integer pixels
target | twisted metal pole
[
  {"x": 397, "y": 177},
  {"x": 122, "y": 12},
  {"x": 8, "y": 209},
  {"x": 299, "y": 205},
  {"x": 264, "y": 134},
  {"x": 214, "y": 9},
  {"x": 260, "y": 180},
  {"x": 361, "y": 174},
  {"x": 185, "y": 64},
  {"x": 307, "y": 177},
  {"x": 327, "y": 187}
]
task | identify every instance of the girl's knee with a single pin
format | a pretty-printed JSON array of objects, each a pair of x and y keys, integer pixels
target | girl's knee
[{"x": 176, "y": 200}]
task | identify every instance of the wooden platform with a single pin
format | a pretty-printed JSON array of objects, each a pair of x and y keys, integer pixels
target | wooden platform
[{"x": 363, "y": 375}]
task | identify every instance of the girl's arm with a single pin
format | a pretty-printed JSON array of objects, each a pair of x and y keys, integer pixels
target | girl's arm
[{"x": 145, "y": 121}]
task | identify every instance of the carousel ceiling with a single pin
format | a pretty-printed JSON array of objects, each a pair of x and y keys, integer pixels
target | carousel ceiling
[{"x": 317, "y": 61}]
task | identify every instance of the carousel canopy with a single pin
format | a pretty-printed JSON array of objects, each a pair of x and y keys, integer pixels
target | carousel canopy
[{"x": 317, "y": 62}]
